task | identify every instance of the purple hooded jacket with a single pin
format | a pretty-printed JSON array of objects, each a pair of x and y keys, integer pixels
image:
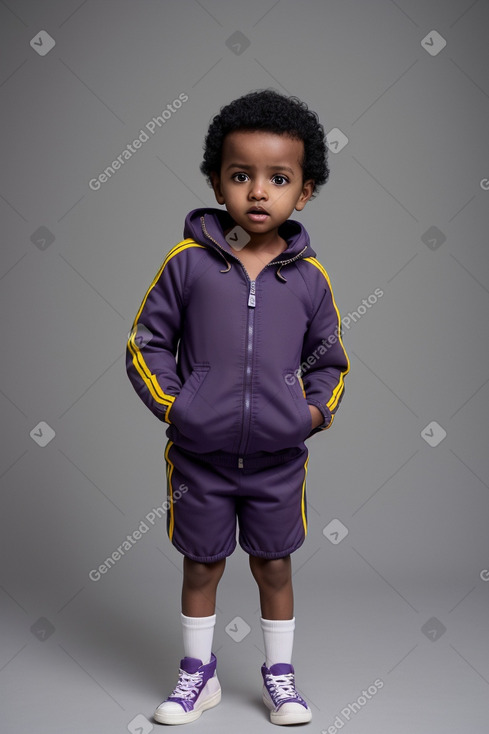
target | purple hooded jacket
[{"x": 229, "y": 363}]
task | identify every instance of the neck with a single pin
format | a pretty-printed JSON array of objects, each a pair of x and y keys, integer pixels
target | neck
[{"x": 267, "y": 242}]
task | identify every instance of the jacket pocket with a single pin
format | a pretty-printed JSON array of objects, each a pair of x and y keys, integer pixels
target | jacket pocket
[
  {"x": 296, "y": 390},
  {"x": 183, "y": 402}
]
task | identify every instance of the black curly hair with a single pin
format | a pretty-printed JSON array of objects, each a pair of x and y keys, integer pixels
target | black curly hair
[{"x": 268, "y": 110}]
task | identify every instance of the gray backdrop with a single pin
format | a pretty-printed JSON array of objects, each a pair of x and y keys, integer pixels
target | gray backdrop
[{"x": 392, "y": 582}]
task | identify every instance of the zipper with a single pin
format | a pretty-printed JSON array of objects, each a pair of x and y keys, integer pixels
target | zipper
[
  {"x": 250, "y": 329},
  {"x": 250, "y": 333}
]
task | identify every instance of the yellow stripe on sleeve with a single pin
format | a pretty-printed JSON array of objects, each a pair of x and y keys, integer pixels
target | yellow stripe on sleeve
[
  {"x": 148, "y": 377},
  {"x": 333, "y": 401}
]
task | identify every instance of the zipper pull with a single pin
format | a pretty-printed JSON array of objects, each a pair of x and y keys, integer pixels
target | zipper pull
[
  {"x": 252, "y": 295},
  {"x": 240, "y": 463}
]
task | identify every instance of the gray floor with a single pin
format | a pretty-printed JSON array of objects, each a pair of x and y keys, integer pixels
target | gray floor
[{"x": 113, "y": 653}]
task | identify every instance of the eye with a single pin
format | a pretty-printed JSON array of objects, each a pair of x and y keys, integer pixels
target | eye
[
  {"x": 239, "y": 177},
  {"x": 280, "y": 180}
]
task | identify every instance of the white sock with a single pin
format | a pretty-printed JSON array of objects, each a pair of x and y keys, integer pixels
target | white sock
[
  {"x": 278, "y": 636},
  {"x": 198, "y": 634}
]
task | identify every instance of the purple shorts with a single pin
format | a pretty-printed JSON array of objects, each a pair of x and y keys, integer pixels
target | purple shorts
[{"x": 206, "y": 499}]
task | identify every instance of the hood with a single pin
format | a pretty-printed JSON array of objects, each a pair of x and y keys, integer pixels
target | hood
[{"x": 216, "y": 221}]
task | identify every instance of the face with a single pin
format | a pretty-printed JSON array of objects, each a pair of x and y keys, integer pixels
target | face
[{"x": 260, "y": 181}]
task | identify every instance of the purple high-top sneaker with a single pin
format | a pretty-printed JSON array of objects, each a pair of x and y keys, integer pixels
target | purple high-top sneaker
[
  {"x": 281, "y": 697},
  {"x": 197, "y": 689}
]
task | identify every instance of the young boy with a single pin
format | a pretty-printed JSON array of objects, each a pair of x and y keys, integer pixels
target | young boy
[{"x": 237, "y": 346}]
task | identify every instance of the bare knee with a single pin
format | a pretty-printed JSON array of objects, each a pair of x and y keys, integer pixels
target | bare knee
[
  {"x": 202, "y": 575},
  {"x": 271, "y": 574}
]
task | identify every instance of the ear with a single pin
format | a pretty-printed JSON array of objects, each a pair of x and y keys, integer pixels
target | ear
[
  {"x": 306, "y": 193},
  {"x": 216, "y": 185}
]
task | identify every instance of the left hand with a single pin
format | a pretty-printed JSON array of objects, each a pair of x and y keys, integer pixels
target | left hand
[{"x": 316, "y": 416}]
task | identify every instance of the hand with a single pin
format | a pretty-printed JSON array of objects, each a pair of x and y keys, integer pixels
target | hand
[{"x": 316, "y": 416}]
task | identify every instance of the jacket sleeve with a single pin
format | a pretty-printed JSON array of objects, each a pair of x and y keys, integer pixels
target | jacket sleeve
[
  {"x": 152, "y": 345},
  {"x": 324, "y": 362}
]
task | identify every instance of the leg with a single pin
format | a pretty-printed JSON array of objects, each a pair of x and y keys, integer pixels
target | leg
[
  {"x": 198, "y": 686},
  {"x": 273, "y": 527},
  {"x": 199, "y": 588},
  {"x": 276, "y": 601},
  {"x": 274, "y": 579}
]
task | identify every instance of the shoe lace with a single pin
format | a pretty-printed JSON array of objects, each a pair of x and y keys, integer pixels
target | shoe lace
[
  {"x": 282, "y": 687},
  {"x": 188, "y": 684}
]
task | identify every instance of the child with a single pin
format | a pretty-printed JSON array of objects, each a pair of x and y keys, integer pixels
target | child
[{"x": 237, "y": 346}]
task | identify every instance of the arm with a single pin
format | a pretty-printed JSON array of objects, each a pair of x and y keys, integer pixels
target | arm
[
  {"x": 153, "y": 341},
  {"x": 324, "y": 359}
]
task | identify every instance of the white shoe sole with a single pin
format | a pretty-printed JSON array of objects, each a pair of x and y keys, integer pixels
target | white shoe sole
[
  {"x": 282, "y": 719},
  {"x": 164, "y": 717}
]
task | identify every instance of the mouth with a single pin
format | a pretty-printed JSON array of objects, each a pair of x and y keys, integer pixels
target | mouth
[{"x": 256, "y": 214}]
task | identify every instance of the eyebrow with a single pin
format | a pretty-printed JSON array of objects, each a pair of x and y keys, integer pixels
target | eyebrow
[{"x": 246, "y": 167}]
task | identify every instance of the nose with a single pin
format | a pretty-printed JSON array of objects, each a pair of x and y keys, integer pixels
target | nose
[{"x": 258, "y": 190}]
